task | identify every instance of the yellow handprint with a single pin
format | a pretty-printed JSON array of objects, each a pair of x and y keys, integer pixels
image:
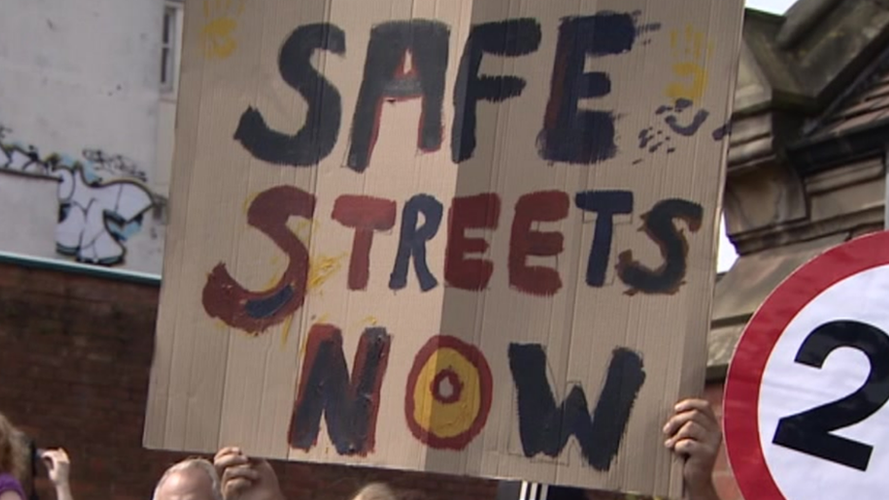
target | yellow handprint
[
  {"x": 218, "y": 32},
  {"x": 690, "y": 51}
]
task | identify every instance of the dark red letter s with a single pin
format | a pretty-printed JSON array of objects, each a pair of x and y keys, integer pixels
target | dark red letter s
[{"x": 254, "y": 312}]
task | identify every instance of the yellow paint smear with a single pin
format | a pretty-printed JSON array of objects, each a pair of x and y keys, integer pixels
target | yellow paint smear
[
  {"x": 249, "y": 201},
  {"x": 285, "y": 333},
  {"x": 322, "y": 268},
  {"x": 364, "y": 322},
  {"x": 690, "y": 51},
  {"x": 218, "y": 40},
  {"x": 218, "y": 31}
]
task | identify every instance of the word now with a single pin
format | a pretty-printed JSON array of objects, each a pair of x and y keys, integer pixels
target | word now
[
  {"x": 568, "y": 133},
  {"x": 269, "y": 212},
  {"x": 350, "y": 404}
]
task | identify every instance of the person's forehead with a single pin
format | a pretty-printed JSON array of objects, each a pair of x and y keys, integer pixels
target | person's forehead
[{"x": 187, "y": 484}]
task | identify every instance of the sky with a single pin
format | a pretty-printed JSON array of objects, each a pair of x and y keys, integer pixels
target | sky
[
  {"x": 727, "y": 254},
  {"x": 774, "y": 6}
]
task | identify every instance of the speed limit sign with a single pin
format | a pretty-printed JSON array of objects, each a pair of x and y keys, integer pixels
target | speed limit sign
[{"x": 805, "y": 400}]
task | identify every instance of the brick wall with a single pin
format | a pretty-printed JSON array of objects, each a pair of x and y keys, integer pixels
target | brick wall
[{"x": 75, "y": 355}]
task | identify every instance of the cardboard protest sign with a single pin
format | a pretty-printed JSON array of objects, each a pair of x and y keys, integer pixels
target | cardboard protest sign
[{"x": 467, "y": 237}]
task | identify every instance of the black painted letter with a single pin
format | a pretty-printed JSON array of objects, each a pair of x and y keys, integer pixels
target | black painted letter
[
  {"x": 426, "y": 43},
  {"x": 350, "y": 407},
  {"x": 413, "y": 241},
  {"x": 674, "y": 248},
  {"x": 516, "y": 37},
  {"x": 605, "y": 204},
  {"x": 325, "y": 108},
  {"x": 545, "y": 428},
  {"x": 569, "y": 134},
  {"x": 813, "y": 431}
]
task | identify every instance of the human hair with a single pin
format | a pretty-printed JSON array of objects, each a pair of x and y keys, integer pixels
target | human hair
[
  {"x": 13, "y": 450},
  {"x": 375, "y": 491},
  {"x": 196, "y": 464}
]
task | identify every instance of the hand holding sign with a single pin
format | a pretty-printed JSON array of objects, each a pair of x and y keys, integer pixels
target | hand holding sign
[
  {"x": 243, "y": 478},
  {"x": 694, "y": 434}
]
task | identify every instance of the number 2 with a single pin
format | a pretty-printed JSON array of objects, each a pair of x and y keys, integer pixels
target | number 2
[{"x": 810, "y": 431}]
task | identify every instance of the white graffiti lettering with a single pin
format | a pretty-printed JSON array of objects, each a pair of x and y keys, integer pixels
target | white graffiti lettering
[{"x": 96, "y": 216}]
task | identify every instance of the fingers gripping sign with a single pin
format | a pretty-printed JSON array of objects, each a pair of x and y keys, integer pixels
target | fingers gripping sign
[
  {"x": 694, "y": 434},
  {"x": 235, "y": 474},
  {"x": 245, "y": 478}
]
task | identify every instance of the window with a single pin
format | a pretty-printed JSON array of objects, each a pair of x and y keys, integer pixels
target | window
[{"x": 170, "y": 46}]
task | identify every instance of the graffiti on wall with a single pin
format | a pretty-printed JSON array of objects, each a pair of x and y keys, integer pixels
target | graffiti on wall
[
  {"x": 96, "y": 215},
  {"x": 116, "y": 165}
]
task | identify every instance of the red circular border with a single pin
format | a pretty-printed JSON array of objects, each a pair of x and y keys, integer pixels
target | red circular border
[
  {"x": 474, "y": 356},
  {"x": 741, "y": 401}
]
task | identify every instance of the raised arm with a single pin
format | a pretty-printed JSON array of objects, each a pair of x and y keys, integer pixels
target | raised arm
[{"x": 59, "y": 467}]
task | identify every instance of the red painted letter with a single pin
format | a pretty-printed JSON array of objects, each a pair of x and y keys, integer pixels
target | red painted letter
[
  {"x": 543, "y": 206},
  {"x": 472, "y": 212},
  {"x": 254, "y": 312},
  {"x": 366, "y": 215}
]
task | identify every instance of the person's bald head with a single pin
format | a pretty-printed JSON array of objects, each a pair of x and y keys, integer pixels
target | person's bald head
[
  {"x": 375, "y": 491},
  {"x": 192, "y": 479}
]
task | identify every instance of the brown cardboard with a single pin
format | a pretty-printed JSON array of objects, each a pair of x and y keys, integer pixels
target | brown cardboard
[{"x": 228, "y": 366}]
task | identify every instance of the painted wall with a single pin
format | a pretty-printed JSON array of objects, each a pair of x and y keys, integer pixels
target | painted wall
[
  {"x": 31, "y": 232},
  {"x": 79, "y": 97}
]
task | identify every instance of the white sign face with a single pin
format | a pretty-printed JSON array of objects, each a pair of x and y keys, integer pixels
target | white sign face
[
  {"x": 805, "y": 399},
  {"x": 792, "y": 388}
]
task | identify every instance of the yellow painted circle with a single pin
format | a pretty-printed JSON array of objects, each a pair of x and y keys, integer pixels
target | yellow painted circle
[{"x": 447, "y": 420}]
